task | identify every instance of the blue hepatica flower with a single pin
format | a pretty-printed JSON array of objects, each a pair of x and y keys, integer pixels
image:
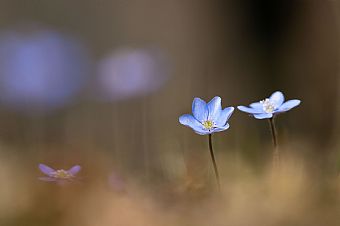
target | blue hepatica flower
[
  {"x": 207, "y": 118},
  {"x": 60, "y": 175},
  {"x": 270, "y": 107}
]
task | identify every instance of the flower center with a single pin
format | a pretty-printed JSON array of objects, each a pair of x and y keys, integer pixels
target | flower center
[
  {"x": 268, "y": 106},
  {"x": 208, "y": 124},
  {"x": 61, "y": 174}
]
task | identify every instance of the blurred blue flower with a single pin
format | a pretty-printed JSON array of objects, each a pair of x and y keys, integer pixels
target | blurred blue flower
[
  {"x": 40, "y": 69},
  {"x": 269, "y": 107},
  {"x": 129, "y": 73},
  {"x": 207, "y": 118},
  {"x": 60, "y": 175}
]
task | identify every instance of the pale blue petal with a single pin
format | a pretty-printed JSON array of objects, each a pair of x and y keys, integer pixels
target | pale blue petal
[
  {"x": 250, "y": 110},
  {"x": 277, "y": 99},
  {"x": 202, "y": 131},
  {"x": 224, "y": 116},
  {"x": 214, "y": 108},
  {"x": 200, "y": 109},
  {"x": 46, "y": 169},
  {"x": 74, "y": 170},
  {"x": 190, "y": 121},
  {"x": 263, "y": 116},
  {"x": 256, "y": 105},
  {"x": 222, "y": 128},
  {"x": 288, "y": 105}
]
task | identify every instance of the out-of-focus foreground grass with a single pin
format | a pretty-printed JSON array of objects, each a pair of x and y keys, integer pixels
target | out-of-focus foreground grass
[{"x": 295, "y": 194}]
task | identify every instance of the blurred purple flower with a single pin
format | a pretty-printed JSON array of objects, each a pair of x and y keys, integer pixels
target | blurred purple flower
[
  {"x": 116, "y": 182},
  {"x": 40, "y": 69},
  {"x": 58, "y": 175},
  {"x": 129, "y": 73}
]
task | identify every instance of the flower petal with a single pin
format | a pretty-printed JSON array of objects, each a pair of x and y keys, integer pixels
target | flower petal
[
  {"x": 200, "y": 131},
  {"x": 224, "y": 116},
  {"x": 74, "y": 170},
  {"x": 288, "y": 105},
  {"x": 277, "y": 98},
  {"x": 222, "y": 128},
  {"x": 256, "y": 105},
  {"x": 214, "y": 108},
  {"x": 263, "y": 116},
  {"x": 200, "y": 109},
  {"x": 250, "y": 110},
  {"x": 190, "y": 121},
  {"x": 46, "y": 169}
]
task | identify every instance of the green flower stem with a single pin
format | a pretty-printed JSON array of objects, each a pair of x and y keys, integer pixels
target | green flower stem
[
  {"x": 276, "y": 154},
  {"x": 214, "y": 162}
]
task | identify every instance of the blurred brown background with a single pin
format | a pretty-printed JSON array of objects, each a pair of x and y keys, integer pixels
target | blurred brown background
[
  {"x": 240, "y": 50},
  {"x": 102, "y": 84}
]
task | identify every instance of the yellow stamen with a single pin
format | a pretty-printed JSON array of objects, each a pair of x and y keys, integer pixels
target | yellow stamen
[
  {"x": 208, "y": 124},
  {"x": 62, "y": 174}
]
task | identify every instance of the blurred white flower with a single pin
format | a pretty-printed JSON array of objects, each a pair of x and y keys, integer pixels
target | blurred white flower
[{"x": 129, "y": 73}]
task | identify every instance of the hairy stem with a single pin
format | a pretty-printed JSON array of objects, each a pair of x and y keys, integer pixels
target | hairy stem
[
  {"x": 214, "y": 162},
  {"x": 276, "y": 154}
]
